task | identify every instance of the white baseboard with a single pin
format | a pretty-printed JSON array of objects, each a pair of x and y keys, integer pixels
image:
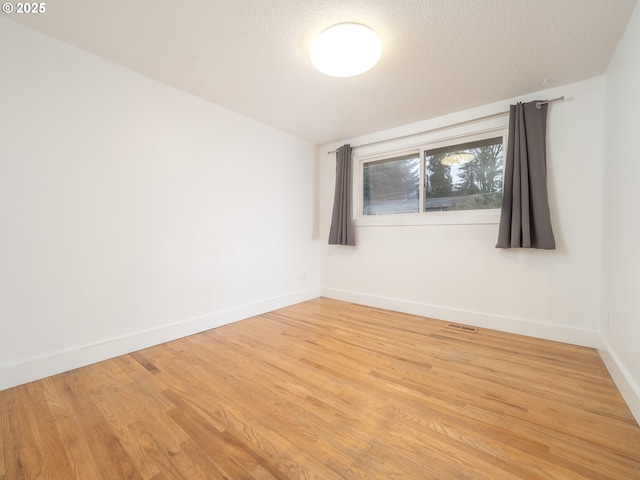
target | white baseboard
[
  {"x": 558, "y": 333},
  {"x": 58, "y": 362},
  {"x": 628, "y": 388}
]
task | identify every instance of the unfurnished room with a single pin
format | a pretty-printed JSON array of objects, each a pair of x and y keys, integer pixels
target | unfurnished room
[{"x": 253, "y": 240}]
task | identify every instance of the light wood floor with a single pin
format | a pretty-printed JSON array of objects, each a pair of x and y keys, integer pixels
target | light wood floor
[{"x": 327, "y": 390}]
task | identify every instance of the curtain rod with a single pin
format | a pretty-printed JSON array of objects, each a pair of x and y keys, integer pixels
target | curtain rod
[{"x": 453, "y": 125}]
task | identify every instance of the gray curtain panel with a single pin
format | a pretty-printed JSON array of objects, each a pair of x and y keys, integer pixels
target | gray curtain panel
[
  {"x": 341, "y": 232},
  {"x": 525, "y": 221}
]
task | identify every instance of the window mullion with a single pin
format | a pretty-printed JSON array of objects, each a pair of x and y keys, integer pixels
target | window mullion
[{"x": 422, "y": 180}]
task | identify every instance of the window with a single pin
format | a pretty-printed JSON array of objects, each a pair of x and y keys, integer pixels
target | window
[
  {"x": 461, "y": 174},
  {"x": 391, "y": 186},
  {"x": 464, "y": 177}
]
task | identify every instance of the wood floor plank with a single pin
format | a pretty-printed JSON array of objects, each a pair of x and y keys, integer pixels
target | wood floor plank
[
  {"x": 230, "y": 456},
  {"x": 242, "y": 410},
  {"x": 171, "y": 460},
  {"x": 289, "y": 417},
  {"x": 104, "y": 445},
  {"x": 3, "y": 453},
  {"x": 12, "y": 436},
  {"x": 366, "y": 381},
  {"x": 327, "y": 390},
  {"x": 81, "y": 460}
]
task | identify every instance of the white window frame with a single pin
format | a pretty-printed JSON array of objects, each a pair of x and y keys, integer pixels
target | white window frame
[{"x": 457, "y": 217}]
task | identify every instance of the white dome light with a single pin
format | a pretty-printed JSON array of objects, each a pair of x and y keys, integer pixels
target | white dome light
[{"x": 345, "y": 50}]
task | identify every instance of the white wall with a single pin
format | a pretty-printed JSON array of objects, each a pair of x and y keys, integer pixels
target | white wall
[
  {"x": 132, "y": 213},
  {"x": 622, "y": 216},
  {"x": 453, "y": 272}
]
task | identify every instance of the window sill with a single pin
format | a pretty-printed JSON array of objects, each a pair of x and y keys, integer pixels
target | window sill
[{"x": 469, "y": 217}]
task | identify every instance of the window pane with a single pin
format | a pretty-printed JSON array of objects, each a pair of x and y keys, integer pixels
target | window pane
[
  {"x": 466, "y": 176},
  {"x": 391, "y": 186}
]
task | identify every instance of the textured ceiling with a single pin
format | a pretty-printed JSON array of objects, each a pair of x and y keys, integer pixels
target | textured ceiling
[{"x": 439, "y": 56}]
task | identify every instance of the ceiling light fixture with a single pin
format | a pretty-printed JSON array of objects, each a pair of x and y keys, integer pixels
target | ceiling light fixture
[
  {"x": 345, "y": 50},
  {"x": 457, "y": 159}
]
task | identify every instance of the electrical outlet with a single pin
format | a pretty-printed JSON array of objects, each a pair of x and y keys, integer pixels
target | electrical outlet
[{"x": 302, "y": 278}]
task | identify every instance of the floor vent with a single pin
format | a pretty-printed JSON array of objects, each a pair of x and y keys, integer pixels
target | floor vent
[{"x": 462, "y": 328}]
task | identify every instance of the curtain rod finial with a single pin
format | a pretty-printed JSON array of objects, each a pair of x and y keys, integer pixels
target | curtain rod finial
[{"x": 539, "y": 104}]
